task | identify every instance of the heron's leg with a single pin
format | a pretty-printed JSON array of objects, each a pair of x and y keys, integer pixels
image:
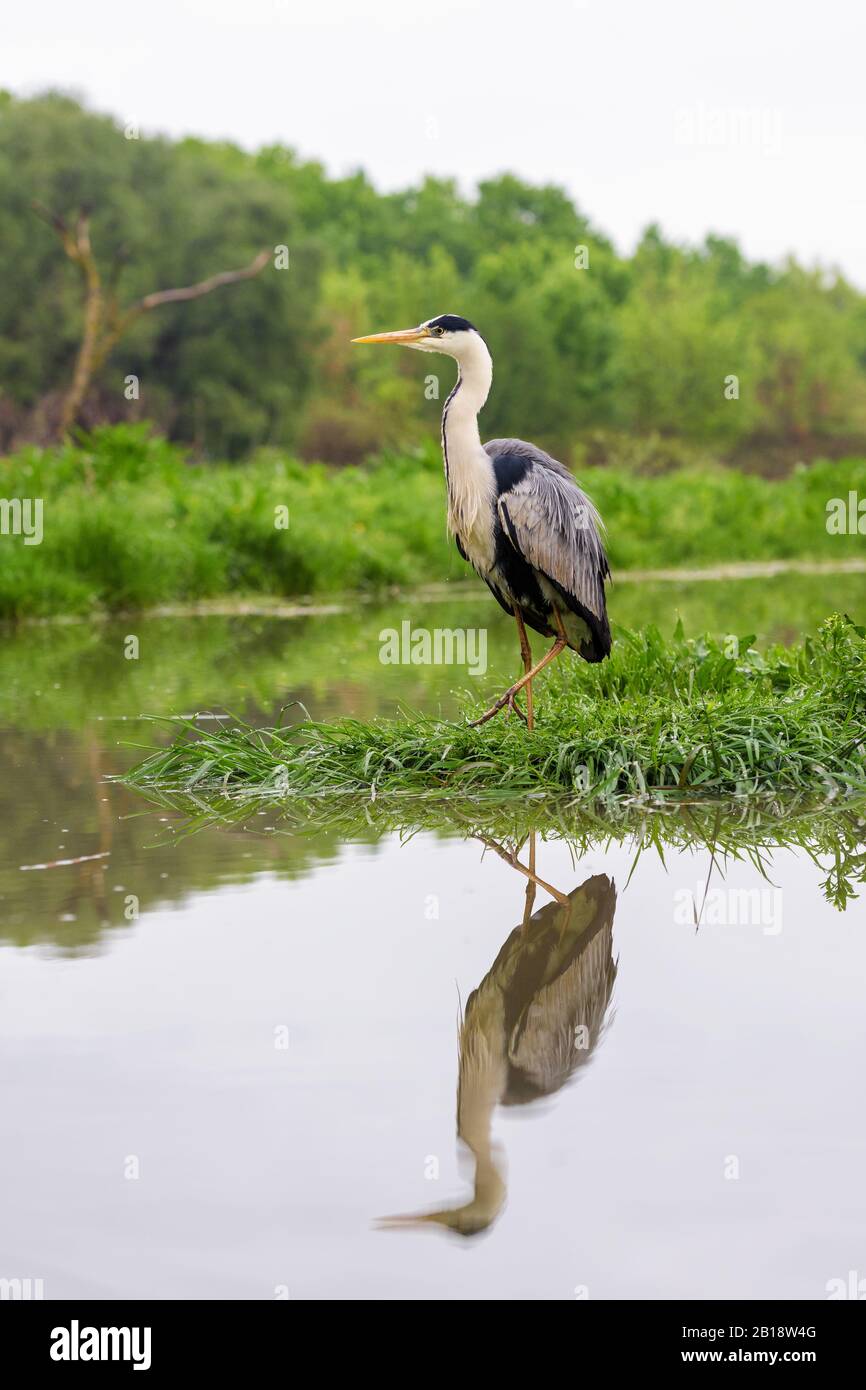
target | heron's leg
[
  {"x": 508, "y": 698},
  {"x": 560, "y": 627},
  {"x": 528, "y": 903},
  {"x": 512, "y": 859},
  {"x": 526, "y": 653},
  {"x": 529, "y": 900}
]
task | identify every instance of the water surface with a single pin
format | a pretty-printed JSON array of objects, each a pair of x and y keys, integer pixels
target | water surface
[{"x": 228, "y": 1055}]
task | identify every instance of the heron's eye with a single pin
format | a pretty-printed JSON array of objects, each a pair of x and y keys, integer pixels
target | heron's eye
[{"x": 436, "y": 330}]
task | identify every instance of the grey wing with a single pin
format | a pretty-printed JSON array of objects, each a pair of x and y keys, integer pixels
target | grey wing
[{"x": 556, "y": 528}]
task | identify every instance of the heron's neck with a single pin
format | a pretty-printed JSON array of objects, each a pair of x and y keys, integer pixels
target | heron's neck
[{"x": 467, "y": 468}]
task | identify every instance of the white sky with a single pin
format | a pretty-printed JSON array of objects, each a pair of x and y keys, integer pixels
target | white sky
[{"x": 746, "y": 118}]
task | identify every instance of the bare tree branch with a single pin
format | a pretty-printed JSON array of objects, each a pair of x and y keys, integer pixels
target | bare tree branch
[
  {"x": 58, "y": 223},
  {"x": 225, "y": 277},
  {"x": 104, "y": 321},
  {"x": 122, "y": 321},
  {"x": 52, "y": 218},
  {"x": 83, "y": 233}
]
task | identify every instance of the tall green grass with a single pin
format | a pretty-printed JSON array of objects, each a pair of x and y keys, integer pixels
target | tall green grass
[
  {"x": 129, "y": 524},
  {"x": 681, "y": 717}
]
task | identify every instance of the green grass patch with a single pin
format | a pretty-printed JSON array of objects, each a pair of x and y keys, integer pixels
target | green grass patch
[
  {"x": 684, "y": 717},
  {"x": 130, "y": 524}
]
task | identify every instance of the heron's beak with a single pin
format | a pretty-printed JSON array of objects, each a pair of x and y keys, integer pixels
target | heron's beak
[
  {"x": 406, "y": 336},
  {"x": 412, "y": 1219},
  {"x": 463, "y": 1220}
]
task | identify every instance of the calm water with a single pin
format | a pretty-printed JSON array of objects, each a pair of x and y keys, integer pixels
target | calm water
[{"x": 224, "y": 1095}]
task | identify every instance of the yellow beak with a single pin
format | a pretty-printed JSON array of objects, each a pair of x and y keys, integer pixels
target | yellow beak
[{"x": 403, "y": 335}]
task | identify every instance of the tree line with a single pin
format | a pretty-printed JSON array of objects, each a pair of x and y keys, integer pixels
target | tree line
[{"x": 687, "y": 345}]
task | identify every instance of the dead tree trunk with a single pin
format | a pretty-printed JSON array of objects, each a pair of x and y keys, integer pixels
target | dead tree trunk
[{"x": 105, "y": 322}]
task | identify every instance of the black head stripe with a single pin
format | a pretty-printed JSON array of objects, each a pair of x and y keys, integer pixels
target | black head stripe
[{"x": 453, "y": 323}]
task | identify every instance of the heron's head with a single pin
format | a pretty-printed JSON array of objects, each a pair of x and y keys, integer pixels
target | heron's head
[{"x": 448, "y": 333}]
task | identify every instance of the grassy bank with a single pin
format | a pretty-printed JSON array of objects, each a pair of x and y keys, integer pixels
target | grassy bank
[
  {"x": 129, "y": 524},
  {"x": 673, "y": 717}
]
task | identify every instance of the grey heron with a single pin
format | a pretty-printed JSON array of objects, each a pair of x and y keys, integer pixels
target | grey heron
[
  {"x": 516, "y": 514},
  {"x": 531, "y": 1025}
]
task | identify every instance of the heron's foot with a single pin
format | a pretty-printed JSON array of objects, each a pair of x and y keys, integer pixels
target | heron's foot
[
  {"x": 507, "y": 701},
  {"x": 518, "y": 709},
  {"x": 508, "y": 698}
]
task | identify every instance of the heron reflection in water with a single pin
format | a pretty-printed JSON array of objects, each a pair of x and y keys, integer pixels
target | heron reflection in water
[{"x": 530, "y": 1026}]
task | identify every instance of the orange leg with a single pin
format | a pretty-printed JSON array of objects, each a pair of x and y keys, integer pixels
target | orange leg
[
  {"x": 511, "y": 858},
  {"x": 508, "y": 698},
  {"x": 526, "y": 653}
]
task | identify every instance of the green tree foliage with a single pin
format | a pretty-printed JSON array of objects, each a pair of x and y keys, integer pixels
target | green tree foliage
[
  {"x": 222, "y": 374},
  {"x": 587, "y": 343}
]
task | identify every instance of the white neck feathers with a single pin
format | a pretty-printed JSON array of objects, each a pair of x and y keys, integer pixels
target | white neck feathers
[{"x": 467, "y": 467}]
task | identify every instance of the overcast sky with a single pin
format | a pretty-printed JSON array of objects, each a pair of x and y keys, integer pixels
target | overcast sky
[{"x": 746, "y": 117}]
